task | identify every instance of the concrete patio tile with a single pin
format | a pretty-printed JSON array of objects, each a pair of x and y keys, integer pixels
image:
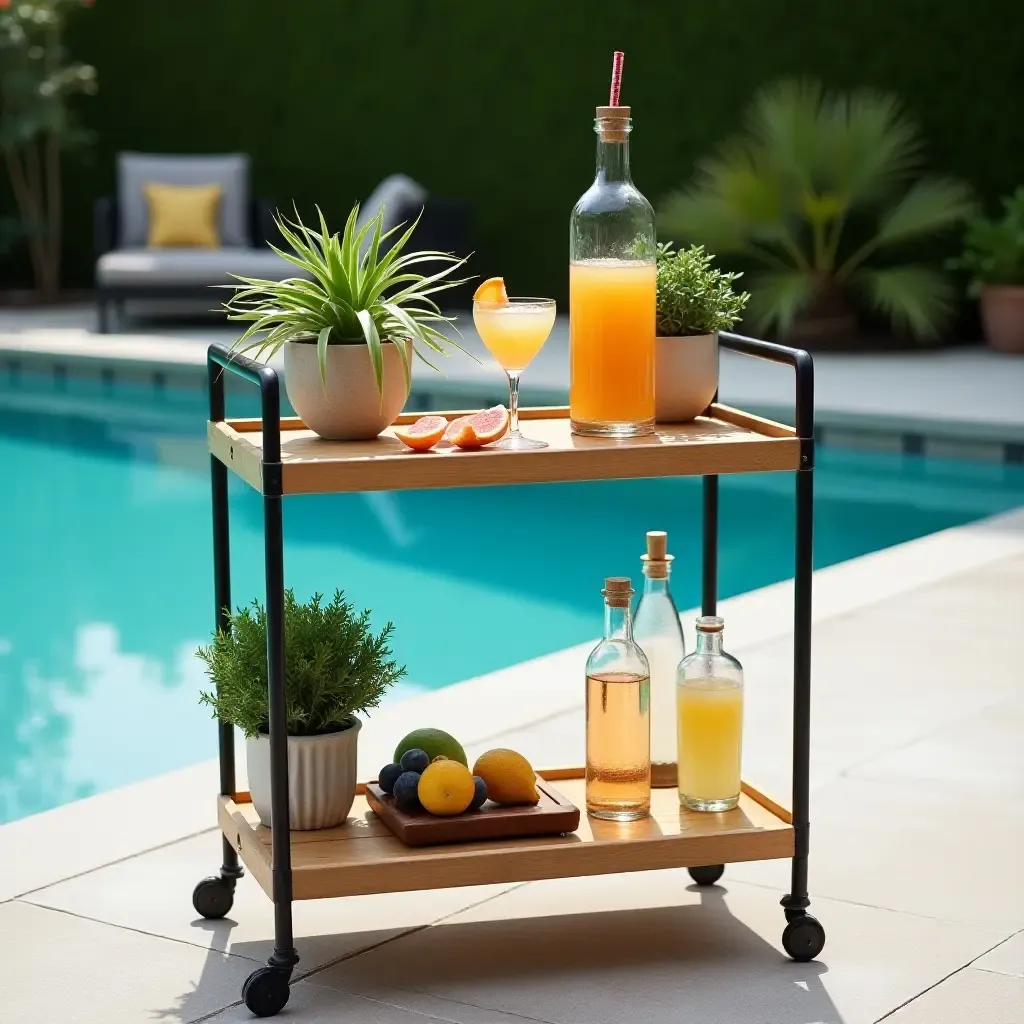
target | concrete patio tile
[
  {"x": 1007, "y": 958},
  {"x": 969, "y": 997},
  {"x": 310, "y": 1003},
  {"x": 912, "y": 847},
  {"x": 153, "y": 893},
  {"x": 601, "y": 950},
  {"x": 61, "y": 969}
]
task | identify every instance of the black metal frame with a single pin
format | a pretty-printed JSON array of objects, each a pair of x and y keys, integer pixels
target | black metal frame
[{"x": 221, "y": 359}]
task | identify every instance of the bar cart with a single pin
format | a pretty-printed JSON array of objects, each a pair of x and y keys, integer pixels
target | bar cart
[{"x": 281, "y": 457}]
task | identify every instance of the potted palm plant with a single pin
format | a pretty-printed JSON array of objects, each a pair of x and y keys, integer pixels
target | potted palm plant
[
  {"x": 695, "y": 301},
  {"x": 351, "y": 325},
  {"x": 823, "y": 196},
  {"x": 335, "y": 668},
  {"x": 994, "y": 256}
]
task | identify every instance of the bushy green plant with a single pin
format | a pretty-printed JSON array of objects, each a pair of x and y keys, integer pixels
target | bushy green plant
[
  {"x": 994, "y": 249},
  {"x": 355, "y": 294},
  {"x": 693, "y": 296},
  {"x": 825, "y": 192},
  {"x": 334, "y": 666}
]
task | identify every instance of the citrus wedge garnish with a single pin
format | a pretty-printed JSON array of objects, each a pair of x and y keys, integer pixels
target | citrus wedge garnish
[{"x": 492, "y": 290}]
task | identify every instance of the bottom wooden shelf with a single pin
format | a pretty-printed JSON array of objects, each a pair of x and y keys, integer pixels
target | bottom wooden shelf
[{"x": 362, "y": 856}]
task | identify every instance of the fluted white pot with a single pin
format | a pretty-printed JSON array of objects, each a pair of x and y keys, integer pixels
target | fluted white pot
[
  {"x": 685, "y": 376},
  {"x": 321, "y": 777},
  {"x": 347, "y": 407}
]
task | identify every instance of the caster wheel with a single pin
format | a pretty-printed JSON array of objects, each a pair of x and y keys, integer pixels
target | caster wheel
[
  {"x": 707, "y": 875},
  {"x": 795, "y": 913},
  {"x": 213, "y": 898},
  {"x": 266, "y": 991},
  {"x": 804, "y": 938}
]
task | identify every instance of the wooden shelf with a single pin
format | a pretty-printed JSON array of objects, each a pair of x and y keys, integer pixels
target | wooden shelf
[
  {"x": 725, "y": 441},
  {"x": 362, "y": 856}
]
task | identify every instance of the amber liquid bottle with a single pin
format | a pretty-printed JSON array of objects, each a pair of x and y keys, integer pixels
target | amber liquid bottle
[{"x": 618, "y": 715}]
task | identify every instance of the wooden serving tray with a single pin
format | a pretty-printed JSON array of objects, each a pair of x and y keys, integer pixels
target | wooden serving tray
[{"x": 553, "y": 815}]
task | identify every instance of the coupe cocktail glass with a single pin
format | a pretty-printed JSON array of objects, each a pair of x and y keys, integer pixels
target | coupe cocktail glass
[{"x": 514, "y": 331}]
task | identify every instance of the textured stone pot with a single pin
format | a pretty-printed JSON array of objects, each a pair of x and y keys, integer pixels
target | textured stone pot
[
  {"x": 1002, "y": 313},
  {"x": 349, "y": 407},
  {"x": 685, "y": 376},
  {"x": 321, "y": 777}
]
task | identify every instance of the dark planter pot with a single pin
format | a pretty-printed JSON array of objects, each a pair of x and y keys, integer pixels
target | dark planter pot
[{"x": 1002, "y": 313}]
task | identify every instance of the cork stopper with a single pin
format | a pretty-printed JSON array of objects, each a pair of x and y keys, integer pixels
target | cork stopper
[
  {"x": 657, "y": 562},
  {"x": 710, "y": 624},
  {"x": 617, "y": 591},
  {"x": 613, "y": 123}
]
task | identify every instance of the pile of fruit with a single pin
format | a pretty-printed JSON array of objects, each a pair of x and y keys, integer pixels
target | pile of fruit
[
  {"x": 467, "y": 432},
  {"x": 431, "y": 773}
]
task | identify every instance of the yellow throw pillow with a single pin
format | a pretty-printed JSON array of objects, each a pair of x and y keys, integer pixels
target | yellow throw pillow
[{"x": 182, "y": 215}]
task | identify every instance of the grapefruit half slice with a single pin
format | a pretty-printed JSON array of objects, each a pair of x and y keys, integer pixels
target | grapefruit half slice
[
  {"x": 423, "y": 434},
  {"x": 481, "y": 428}
]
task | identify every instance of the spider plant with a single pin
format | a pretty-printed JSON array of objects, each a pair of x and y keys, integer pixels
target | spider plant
[
  {"x": 353, "y": 294},
  {"x": 824, "y": 191}
]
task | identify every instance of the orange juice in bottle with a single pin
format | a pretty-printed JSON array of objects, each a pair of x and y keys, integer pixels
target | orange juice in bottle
[{"x": 612, "y": 291}]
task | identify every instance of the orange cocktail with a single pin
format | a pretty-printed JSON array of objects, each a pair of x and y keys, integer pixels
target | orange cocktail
[{"x": 611, "y": 344}]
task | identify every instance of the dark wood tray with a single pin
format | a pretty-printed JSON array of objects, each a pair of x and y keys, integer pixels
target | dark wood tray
[{"x": 552, "y": 816}]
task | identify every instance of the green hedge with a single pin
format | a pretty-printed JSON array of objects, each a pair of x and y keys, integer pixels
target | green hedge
[{"x": 493, "y": 102}]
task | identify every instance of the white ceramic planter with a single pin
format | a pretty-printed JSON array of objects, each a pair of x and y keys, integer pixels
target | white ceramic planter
[
  {"x": 685, "y": 376},
  {"x": 348, "y": 408},
  {"x": 321, "y": 777}
]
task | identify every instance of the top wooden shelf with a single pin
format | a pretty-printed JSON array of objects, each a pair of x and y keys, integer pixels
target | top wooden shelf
[{"x": 724, "y": 441}]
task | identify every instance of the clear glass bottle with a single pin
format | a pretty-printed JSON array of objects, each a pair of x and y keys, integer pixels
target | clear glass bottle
[
  {"x": 612, "y": 293},
  {"x": 618, "y": 715},
  {"x": 709, "y": 696},
  {"x": 659, "y": 633}
]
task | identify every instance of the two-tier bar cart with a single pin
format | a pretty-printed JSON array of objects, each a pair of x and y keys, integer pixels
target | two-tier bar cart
[{"x": 281, "y": 457}]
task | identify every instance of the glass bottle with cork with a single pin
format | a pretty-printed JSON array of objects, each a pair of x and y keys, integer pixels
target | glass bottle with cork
[
  {"x": 618, "y": 715},
  {"x": 709, "y": 694},
  {"x": 660, "y": 635},
  {"x": 612, "y": 289}
]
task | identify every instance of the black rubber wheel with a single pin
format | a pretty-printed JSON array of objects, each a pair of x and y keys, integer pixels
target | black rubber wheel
[
  {"x": 265, "y": 992},
  {"x": 804, "y": 938},
  {"x": 707, "y": 875},
  {"x": 213, "y": 898}
]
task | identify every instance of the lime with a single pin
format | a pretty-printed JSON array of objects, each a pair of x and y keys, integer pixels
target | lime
[{"x": 434, "y": 742}]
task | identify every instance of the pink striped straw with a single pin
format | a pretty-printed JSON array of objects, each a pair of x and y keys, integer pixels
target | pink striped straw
[{"x": 613, "y": 99}]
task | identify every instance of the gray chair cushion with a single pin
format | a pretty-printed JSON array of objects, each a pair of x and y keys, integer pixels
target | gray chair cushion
[
  {"x": 230, "y": 171},
  {"x": 189, "y": 267},
  {"x": 394, "y": 193}
]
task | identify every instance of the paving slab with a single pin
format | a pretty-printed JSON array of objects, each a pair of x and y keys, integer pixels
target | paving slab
[
  {"x": 153, "y": 893},
  {"x": 607, "y": 949},
  {"x": 1006, "y": 958},
  {"x": 968, "y": 997},
  {"x": 62, "y": 969}
]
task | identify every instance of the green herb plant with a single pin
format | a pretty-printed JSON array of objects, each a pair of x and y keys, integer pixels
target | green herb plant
[
  {"x": 334, "y": 667},
  {"x": 994, "y": 249},
  {"x": 693, "y": 296},
  {"x": 824, "y": 193},
  {"x": 354, "y": 294}
]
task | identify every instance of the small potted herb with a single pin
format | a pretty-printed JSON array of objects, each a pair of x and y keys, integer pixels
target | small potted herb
[
  {"x": 994, "y": 256},
  {"x": 335, "y": 668},
  {"x": 695, "y": 300},
  {"x": 351, "y": 325}
]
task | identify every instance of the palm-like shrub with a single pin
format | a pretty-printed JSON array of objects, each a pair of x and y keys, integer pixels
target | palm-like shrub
[
  {"x": 355, "y": 294},
  {"x": 824, "y": 194},
  {"x": 334, "y": 666}
]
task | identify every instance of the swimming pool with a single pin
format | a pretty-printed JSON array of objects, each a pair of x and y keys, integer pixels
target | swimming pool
[{"x": 107, "y": 590}]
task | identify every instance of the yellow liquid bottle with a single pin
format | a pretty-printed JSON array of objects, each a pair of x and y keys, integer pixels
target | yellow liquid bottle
[
  {"x": 709, "y": 703},
  {"x": 612, "y": 294}
]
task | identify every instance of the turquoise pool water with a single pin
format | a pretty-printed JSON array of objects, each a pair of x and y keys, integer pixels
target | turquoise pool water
[{"x": 105, "y": 562}]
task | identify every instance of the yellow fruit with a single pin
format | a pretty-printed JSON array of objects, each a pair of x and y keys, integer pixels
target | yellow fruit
[
  {"x": 510, "y": 778},
  {"x": 440, "y": 757},
  {"x": 492, "y": 290},
  {"x": 446, "y": 788}
]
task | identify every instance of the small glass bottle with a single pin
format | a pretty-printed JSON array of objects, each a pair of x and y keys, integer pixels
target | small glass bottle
[
  {"x": 709, "y": 695},
  {"x": 618, "y": 715},
  {"x": 658, "y": 632},
  {"x": 612, "y": 293}
]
